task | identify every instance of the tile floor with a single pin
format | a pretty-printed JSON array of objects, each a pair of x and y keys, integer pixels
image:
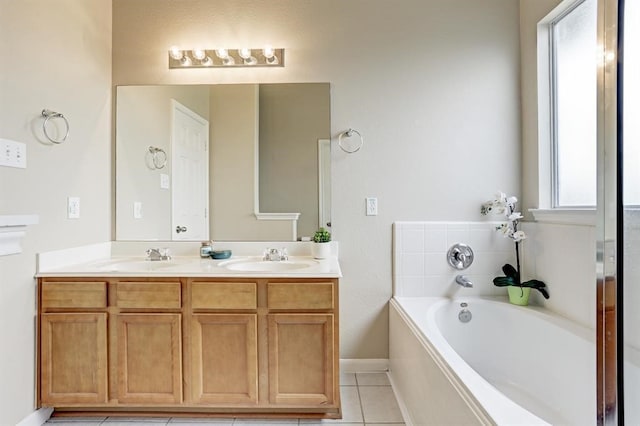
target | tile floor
[{"x": 367, "y": 398}]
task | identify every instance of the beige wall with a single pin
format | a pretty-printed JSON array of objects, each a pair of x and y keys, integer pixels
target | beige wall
[
  {"x": 432, "y": 85},
  {"x": 57, "y": 56}
]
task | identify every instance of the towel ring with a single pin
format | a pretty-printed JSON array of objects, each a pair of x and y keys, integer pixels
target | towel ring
[
  {"x": 48, "y": 115},
  {"x": 349, "y": 133},
  {"x": 158, "y": 156}
]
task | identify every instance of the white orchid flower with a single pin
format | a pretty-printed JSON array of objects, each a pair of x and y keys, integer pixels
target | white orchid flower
[
  {"x": 518, "y": 236},
  {"x": 512, "y": 201},
  {"x": 514, "y": 216}
]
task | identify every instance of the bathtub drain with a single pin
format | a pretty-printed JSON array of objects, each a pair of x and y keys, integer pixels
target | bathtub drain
[{"x": 464, "y": 315}]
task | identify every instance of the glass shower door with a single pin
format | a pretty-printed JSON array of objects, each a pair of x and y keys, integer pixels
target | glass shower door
[
  {"x": 618, "y": 224},
  {"x": 630, "y": 159}
]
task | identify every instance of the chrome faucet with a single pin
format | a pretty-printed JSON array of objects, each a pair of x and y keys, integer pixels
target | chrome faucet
[
  {"x": 463, "y": 281},
  {"x": 275, "y": 255},
  {"x": 156, "y": 254}
]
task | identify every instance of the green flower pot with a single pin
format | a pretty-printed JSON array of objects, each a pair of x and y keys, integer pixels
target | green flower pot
[{"x": 519, "y": 295}]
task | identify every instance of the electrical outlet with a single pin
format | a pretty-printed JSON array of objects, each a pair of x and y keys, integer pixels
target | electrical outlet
[
  {"x": 137, "y": 210},
  {"x": 13, "y": 154},
  {"x": 73, "y": 207},
  {"x": 372, "y": 206},
  {"x": 164, "y": 181}
]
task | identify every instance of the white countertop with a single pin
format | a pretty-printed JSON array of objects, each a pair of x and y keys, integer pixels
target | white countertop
[{"x": 191, "y": 266}]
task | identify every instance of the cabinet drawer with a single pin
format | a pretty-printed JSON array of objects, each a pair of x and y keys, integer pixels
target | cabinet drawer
[
  {"x": 161, "y": 295},
  {"x": 300, "y": 295},
  {"x": 74, "y": 295},
  {"x": 220, "y": 295}
]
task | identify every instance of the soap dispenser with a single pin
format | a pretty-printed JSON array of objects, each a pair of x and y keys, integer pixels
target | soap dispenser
[{"x": 206, "y": 248}]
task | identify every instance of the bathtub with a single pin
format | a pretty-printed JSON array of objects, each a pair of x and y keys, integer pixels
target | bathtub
[{"x": 509, "y": 365}]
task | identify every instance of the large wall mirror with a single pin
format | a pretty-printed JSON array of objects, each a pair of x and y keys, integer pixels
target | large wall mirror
[{"x": 228, "y": 162}]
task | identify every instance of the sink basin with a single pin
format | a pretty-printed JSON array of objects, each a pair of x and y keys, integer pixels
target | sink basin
[
  {"x": 267, "y": 266},
  {"x": 135, "y": 265}
]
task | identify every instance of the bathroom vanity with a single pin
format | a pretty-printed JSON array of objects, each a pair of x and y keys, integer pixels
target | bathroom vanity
[{"x": 191, "y": 338}]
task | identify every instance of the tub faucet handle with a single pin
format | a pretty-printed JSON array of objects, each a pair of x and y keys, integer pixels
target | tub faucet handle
[{"x": 460, "y": 256}]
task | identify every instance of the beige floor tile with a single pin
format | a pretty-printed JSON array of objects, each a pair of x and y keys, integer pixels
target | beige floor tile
[
  {"x": 373, "y": 379},
  {"x": 379, "y": 405},
  {"x": 348, "y": 379},
  {"x": 199, "y": 421},
  {"x": 351, "y": 411},
  {"x": 74, "y": 423},
  {"x": 136, "y": 421}
]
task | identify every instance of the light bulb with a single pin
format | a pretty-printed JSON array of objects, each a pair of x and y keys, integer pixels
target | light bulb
[
  {"x": 268, "y": 52},
  {"x": 185, "y": 61},
  {"x": 251, "y": 60},
  {"x": 199, "y": 54},
  {"x": 244, "y": 53},
  {"x": 207, "y": 61},
  {"x": 222, "y": 53},
  {"x": 272, "y": 60},
  {"x": 228, "y": 61},
  {"x": 176, "y": 53}
]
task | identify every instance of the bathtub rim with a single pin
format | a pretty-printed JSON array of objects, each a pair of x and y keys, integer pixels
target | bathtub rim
[{"x": 487, "y": 402}]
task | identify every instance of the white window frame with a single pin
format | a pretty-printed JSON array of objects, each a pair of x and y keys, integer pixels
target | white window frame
[{"x": 547, "y": 163}]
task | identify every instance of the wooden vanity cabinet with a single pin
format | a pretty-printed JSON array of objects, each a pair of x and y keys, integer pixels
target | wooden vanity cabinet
[
  {"x": 224, "y": 343},
  {"x": 226, "y": 346},
  {"x": 73, "y": 343},
  {"x": 148, "y": 335},
  {"x": 302, "y": 324}
]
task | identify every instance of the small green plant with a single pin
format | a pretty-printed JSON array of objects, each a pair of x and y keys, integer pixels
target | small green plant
[{"x": 322, "y": 236}]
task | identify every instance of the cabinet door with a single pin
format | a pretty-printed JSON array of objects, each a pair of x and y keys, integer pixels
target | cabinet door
[
  {"x": 224, "y": 359},
  {"x": 73, "y": 358},
  {"x": 149, "y": 359},
  {"x": 301, "y": 361}
]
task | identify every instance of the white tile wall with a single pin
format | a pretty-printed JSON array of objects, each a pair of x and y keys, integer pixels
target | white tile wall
[
  {"x": 564, "y": 257},
  {"x": 420, "y": 266}
]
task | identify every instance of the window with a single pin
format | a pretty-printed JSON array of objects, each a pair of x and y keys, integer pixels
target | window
[{"x": 573, "y": 86}]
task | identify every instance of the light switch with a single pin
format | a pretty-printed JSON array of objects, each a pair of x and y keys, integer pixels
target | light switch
[
  {"x": 372, "y": 206},
  {"x": 13, "y": 154},
  {"x": 137, "y": 210},
  {"x": 73, "y": 207}
]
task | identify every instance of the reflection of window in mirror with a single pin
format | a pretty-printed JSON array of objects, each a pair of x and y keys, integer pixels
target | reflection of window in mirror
[{"x": 293, "y": 117}]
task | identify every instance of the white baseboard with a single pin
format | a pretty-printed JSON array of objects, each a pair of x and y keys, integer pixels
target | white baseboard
[
  {"x": 37, "y": 418},
  {"x": 364, "y": 365}
]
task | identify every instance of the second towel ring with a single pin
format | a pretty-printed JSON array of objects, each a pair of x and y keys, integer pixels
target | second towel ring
[
  {"x": 158, "y": 157},
  {"x": 349, "y": 133},
  {"x": 48, "y": 115}
]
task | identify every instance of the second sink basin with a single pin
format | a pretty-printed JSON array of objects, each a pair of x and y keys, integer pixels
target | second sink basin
[{"x": 256, "y": 265}]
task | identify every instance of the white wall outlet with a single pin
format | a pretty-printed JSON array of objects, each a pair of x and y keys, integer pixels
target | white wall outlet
[
  {"x": 13, "y": 154},
  {"x": 372, "y": 206},
  {"x": 137, "y": 210},
  {"x": 73, "y": 207},
  {"x": 164, "y": 181}
]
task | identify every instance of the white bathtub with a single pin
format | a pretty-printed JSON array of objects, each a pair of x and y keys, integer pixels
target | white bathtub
[{"x": 509, "y": 365}]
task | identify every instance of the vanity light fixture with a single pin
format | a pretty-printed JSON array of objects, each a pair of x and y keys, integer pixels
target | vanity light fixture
[{"x": 222, "y": 57}]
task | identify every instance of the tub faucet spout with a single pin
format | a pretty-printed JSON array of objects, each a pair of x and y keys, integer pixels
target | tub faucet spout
[{"x": 463, "y": 281}]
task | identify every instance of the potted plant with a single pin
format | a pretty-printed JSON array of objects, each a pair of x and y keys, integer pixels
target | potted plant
[
  {"x": 518, "y": 291},
  {"x": 321, "y": 247}
]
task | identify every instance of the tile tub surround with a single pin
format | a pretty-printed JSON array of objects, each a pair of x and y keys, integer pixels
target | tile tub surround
[
  {"x": 367, "y": 398},
  {"x": 420, "y": 267}
]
